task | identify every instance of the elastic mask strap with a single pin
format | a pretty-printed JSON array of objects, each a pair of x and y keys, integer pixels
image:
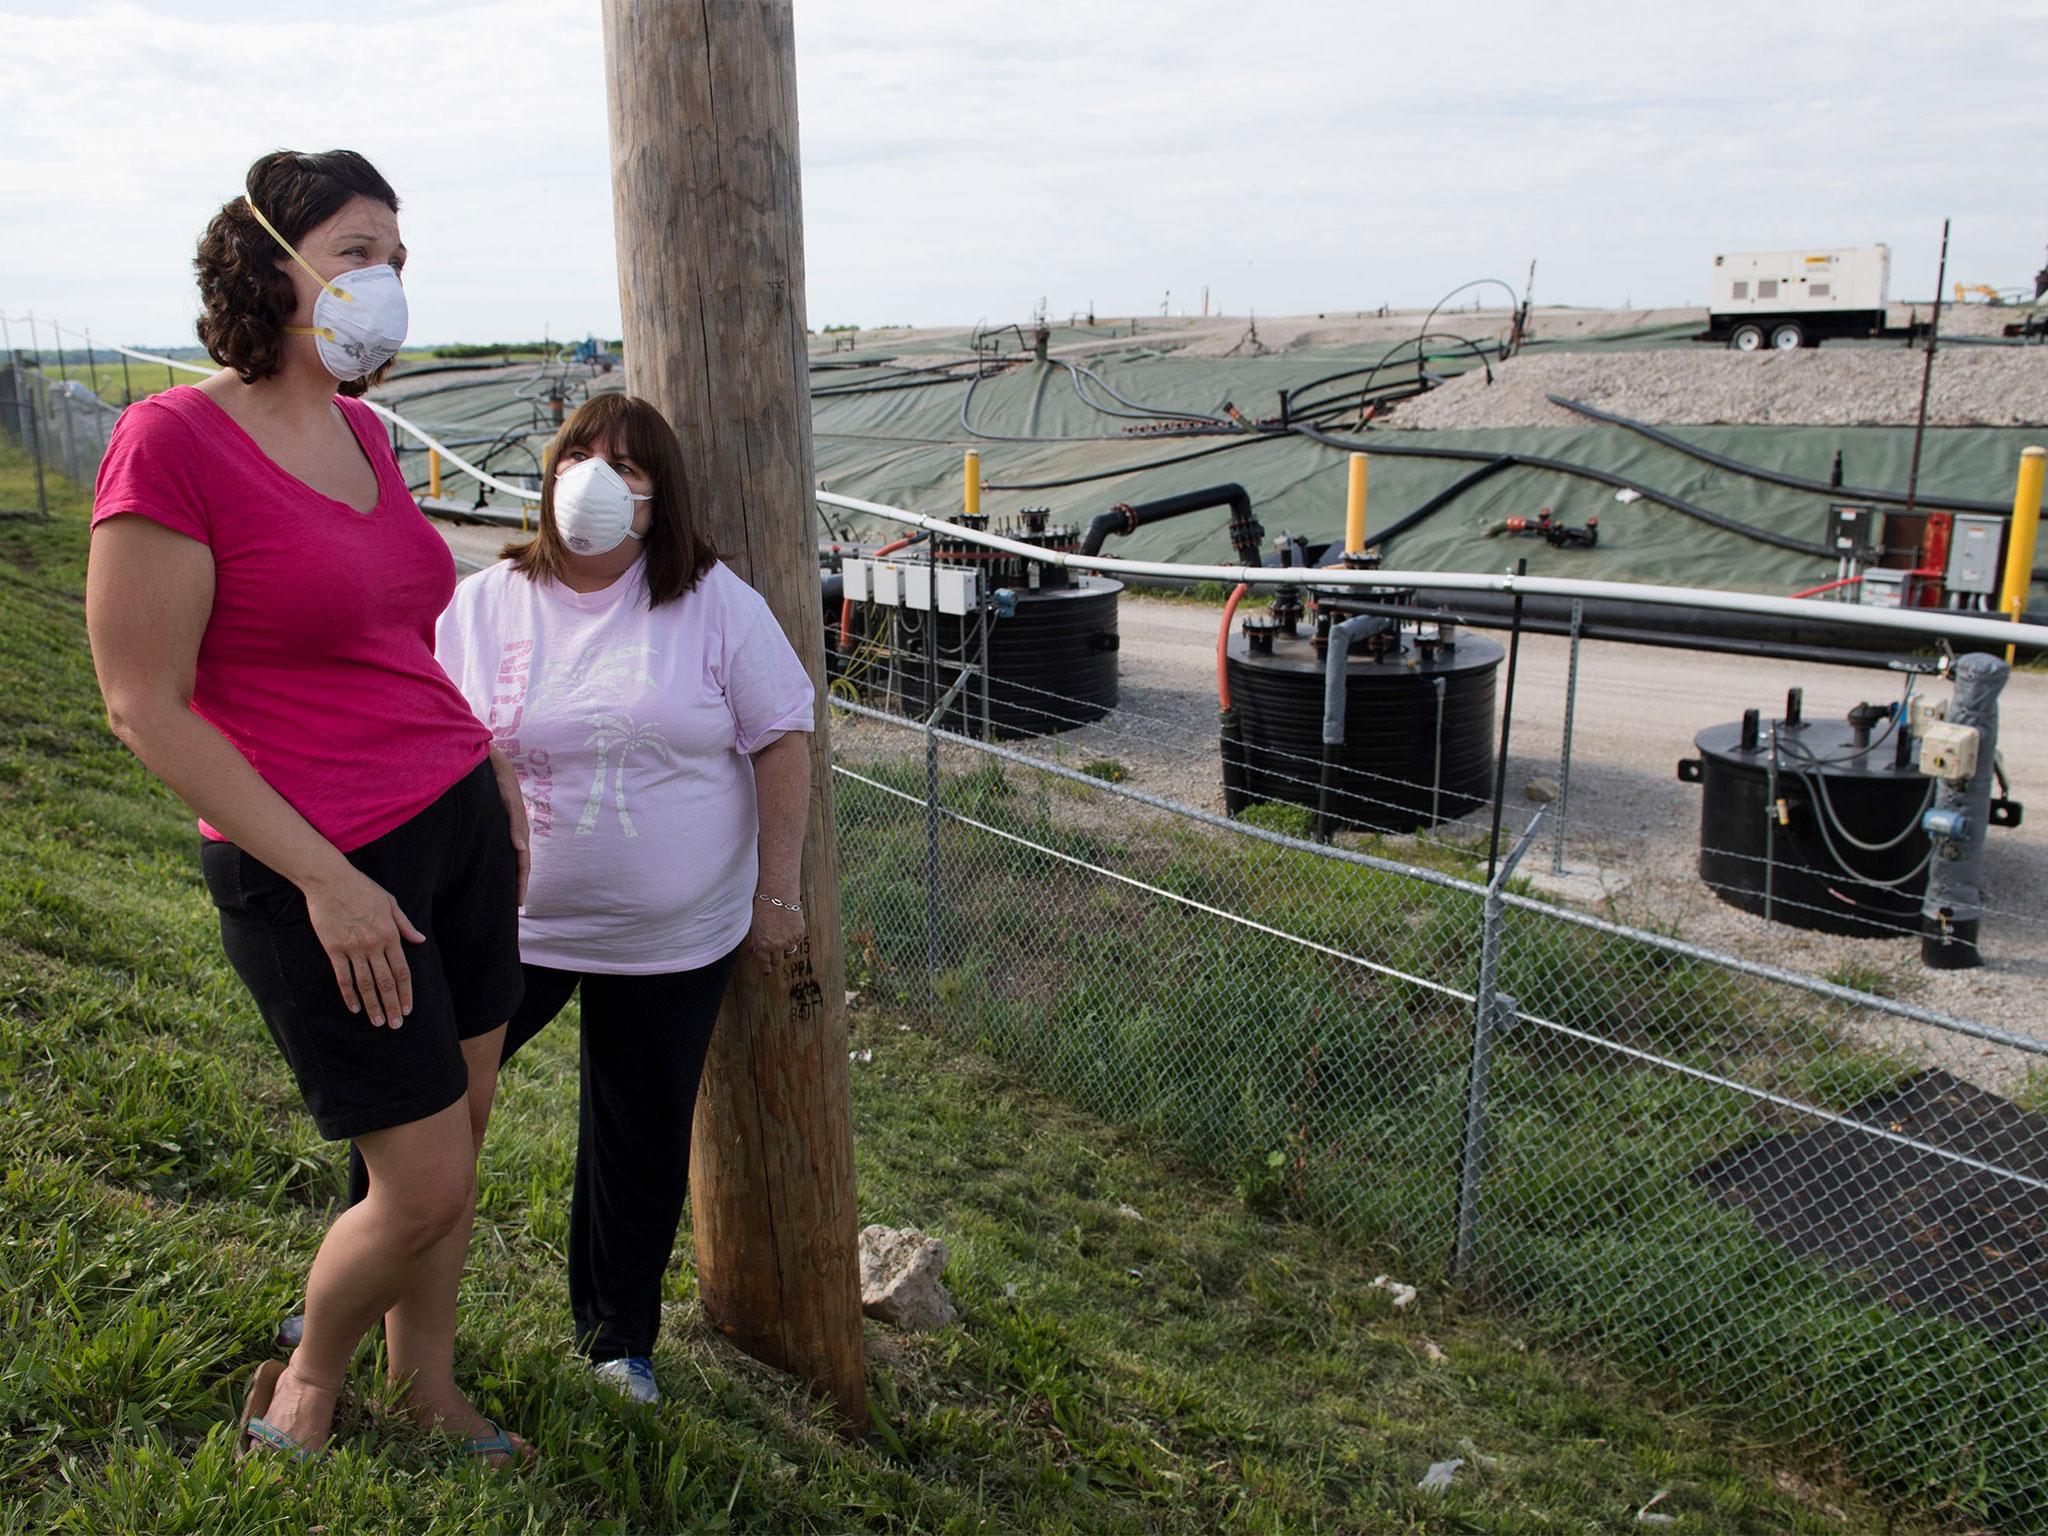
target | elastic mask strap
[
  {"x": 325, "y": 333},
  {"x": 290, "y": 250}
]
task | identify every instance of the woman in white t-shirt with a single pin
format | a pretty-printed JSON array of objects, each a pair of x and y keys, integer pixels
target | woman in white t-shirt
[{"x": 654, "y": 713}]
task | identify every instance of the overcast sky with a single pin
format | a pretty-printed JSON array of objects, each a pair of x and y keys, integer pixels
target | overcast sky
[{"x": 964, "y": 158}]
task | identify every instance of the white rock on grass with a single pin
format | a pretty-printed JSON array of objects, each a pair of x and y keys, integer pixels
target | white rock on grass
[
  {"x": 1403, "y": 1295},
  {"x": 899, "y": 1278}
]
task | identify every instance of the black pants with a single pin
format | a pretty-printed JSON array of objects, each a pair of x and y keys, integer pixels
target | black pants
[{"x": 644, "y": 1043}]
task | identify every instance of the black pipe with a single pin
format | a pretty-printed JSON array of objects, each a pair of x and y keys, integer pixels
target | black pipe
[
  {"x": 1128, "y": 518},
  {"x": 1235, "y": 797},
  {"x": 1442, "y": 499},
  {"x": 1829, "y": 487},
  {"x": 1380, "y": 445},
  {"x": 1113, "y": 474},
  {"x": 1372, "y": 371},
  {"x": 1138, "y": 407}
]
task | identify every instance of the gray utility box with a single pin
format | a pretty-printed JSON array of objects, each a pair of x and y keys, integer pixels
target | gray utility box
[{"x": 1973, "y": 550}]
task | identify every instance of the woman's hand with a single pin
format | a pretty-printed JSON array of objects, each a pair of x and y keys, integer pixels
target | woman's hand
[
  {"x": 782, "y": 786},
  {"x": 515, "y": 812},
  {"x": 778, "y": 933},
  {"x": 359, "y": 924}
]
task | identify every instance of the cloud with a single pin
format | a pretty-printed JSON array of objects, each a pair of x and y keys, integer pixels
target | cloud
[{"x": 964, "y": 159}]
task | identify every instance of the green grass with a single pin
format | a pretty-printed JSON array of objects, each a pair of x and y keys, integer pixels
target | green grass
[
  {"x": 1337, "y": 1095},
  {"x": 1138, "y": 1350}
]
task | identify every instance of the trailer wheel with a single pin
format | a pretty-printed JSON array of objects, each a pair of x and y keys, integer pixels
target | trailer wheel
[
  {"x": 1789, "y": 337},
  {"x": 1747, "y": 338}
]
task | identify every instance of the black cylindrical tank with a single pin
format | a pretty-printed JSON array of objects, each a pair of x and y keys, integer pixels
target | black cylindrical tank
[
  {"x": 1052, "y": 664},
  {"x": 1413, "y": 755},
  {"x": 1822, "y": 833},
  {"x": 832, "y": 592}
]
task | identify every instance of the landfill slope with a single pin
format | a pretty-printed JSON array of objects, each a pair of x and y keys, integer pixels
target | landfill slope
[{"x": 1861, "y": 386}]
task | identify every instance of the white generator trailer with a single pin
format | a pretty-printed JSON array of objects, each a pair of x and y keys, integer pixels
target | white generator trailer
[{"x": 1788, "y": 299}]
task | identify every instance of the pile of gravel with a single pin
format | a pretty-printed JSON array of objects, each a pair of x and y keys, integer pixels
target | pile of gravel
[{"x": 1852, "y": 386}]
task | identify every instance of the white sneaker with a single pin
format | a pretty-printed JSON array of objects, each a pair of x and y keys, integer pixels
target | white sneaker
[{"x": 631, "y": 1377}]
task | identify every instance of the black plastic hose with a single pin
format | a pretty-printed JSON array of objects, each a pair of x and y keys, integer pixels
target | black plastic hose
[
  {"x": 1130, "y": 517},
  {"x": 1774, "y": 476},
  {"x": 1793, "y": 482},
  {"x": 1240, "y": 441},
  {"x": 1441, "y": 499},
  {"x": 1415, "y": 343},
  {"x": 1713, "y": 519}
]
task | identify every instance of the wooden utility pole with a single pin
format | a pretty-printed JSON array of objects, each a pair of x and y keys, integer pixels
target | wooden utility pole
[{"x": 709, "y": 212}]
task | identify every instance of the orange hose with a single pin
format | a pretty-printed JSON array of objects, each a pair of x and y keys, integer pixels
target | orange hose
[{"x": 1222, "y": 645}]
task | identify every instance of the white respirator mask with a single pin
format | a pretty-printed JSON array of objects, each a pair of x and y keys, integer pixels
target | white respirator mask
[
  {"x": 594, "y": 507},
  {"x": 359, "y": 317}
]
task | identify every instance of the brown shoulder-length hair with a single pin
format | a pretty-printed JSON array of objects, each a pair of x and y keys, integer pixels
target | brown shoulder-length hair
[
  {"x": 245, "y": 297},
  {"x": 677, "y": 555}
]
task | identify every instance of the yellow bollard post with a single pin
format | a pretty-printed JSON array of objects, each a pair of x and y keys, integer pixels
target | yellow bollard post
[
  {"x": 2019, "y": 543},
  {"x": 971, "y": 471},
  {"x": 1354, "y": 508},
  {"x": 434, "y": 473}
]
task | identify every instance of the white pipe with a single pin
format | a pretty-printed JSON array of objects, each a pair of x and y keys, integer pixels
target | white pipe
[
  {"x": 450, "y": 454},
  {"x": 483, "y": 476},
  {"x": 1906, "y": 620}
]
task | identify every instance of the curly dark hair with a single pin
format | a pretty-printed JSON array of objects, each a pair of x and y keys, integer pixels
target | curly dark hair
[{"x": 245, "y": 299}]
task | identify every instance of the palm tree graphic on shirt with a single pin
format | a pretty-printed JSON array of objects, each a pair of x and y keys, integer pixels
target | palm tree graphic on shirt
[{"x": 608, "y": 678}]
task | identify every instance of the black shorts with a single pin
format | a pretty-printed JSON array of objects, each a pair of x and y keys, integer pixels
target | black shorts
[{"x": 454, "y": 874}]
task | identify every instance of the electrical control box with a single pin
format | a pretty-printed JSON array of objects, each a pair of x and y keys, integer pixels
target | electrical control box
[
  {"x": 1850, "y": 528},
  {"x": 1884, "y": 588},
  {"x": 911, "y": 584},
  {"x": 917, "y": 587},
  {"x": 959, "y": 591},
  {"x": 885, "y": 583},
  {"x": 1973, "y": 553},
  {"x": 1923, "y": 712},
  {"x": 1948, "y": 751}
]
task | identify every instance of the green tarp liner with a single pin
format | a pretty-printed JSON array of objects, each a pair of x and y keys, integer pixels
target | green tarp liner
[{"x": 903, "y": 447}]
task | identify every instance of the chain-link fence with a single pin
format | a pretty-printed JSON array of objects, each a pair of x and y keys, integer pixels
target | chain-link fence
[
  {"x": 59, "y": 421},
  {"x": 1736, "y": 1177},
  {"x": 1788, "y": 1194}
]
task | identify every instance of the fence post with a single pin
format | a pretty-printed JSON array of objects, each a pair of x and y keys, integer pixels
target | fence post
[
  {"x": 931, "y": 799},
  {"x": 1492, "y": 1011},
  {"x": 32, "y": 397},
  {"x": 1564, "y": 770}
]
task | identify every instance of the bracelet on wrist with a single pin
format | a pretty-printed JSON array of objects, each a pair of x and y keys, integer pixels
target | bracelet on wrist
[{"x": 787, "y": 906}]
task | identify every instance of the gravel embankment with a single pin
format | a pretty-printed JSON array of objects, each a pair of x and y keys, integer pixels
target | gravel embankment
[{"x": 1861, "y": 386}]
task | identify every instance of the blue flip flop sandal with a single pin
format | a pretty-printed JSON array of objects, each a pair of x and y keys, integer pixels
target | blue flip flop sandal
[
  {"x": 497, "y": 1442},
  {"x": 258, "y": 1432}
]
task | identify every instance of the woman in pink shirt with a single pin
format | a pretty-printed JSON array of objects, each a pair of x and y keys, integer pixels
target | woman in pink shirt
[
  {"x": 261, "y": 599},
  {"x": 654, "y": 713}
]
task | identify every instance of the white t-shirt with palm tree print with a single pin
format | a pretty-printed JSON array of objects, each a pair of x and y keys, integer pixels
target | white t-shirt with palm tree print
[{"x": 631, "y": 730}]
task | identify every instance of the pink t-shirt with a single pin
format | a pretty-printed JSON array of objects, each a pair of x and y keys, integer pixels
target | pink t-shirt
[
  {"x": 631, "y": 730},
  {"x": 318, "y": 660}
]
